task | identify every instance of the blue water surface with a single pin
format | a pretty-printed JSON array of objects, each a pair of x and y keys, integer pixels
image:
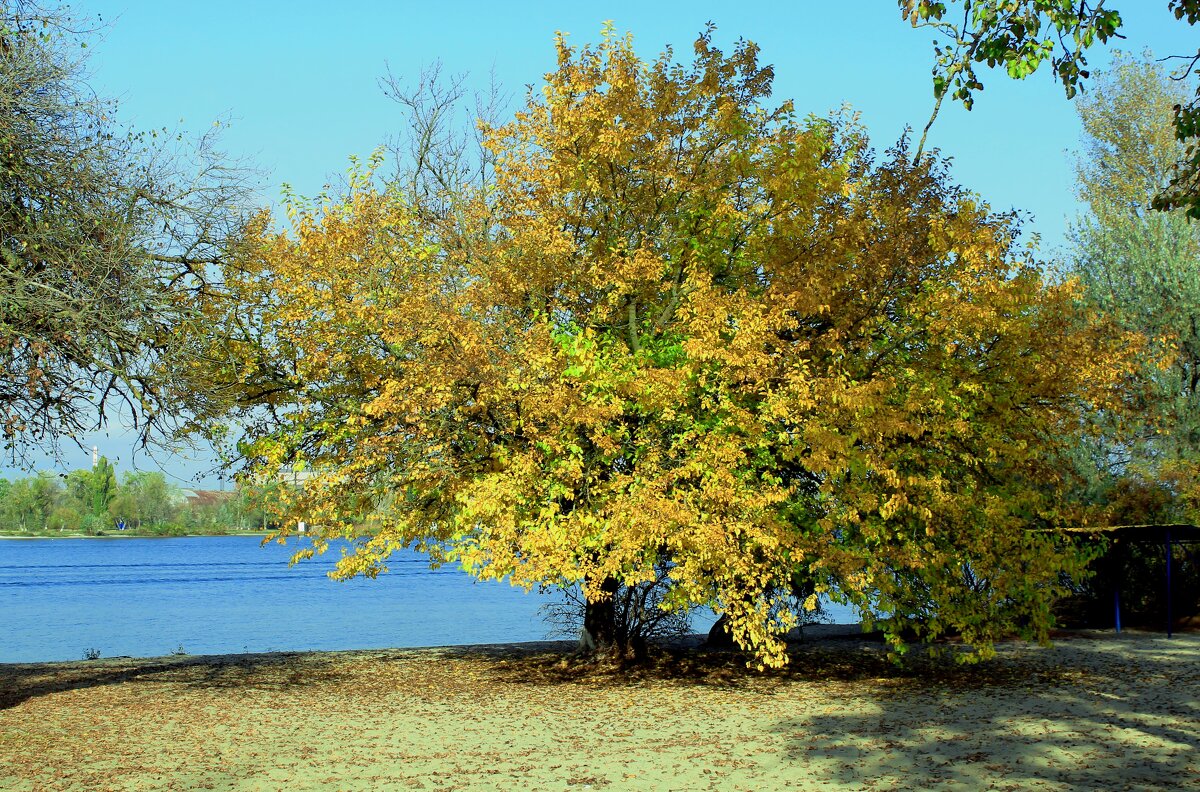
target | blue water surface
[
  {"x": 218, "y": 594},
  {"x": 61, "y": 598}
]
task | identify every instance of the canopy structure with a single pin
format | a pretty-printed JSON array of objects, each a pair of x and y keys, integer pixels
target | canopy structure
[{"x": 1168, "y": 536}]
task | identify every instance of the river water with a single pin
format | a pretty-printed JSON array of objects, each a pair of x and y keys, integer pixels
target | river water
[{"x": 63, "y": 598}]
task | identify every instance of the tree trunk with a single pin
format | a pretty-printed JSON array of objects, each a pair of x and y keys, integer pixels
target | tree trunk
[
  {"x": 719, "y": 636},
  {"x": 599, "y": 633}
]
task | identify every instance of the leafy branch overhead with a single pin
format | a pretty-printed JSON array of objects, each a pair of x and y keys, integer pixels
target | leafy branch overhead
[
  {"x": 1022, "y": 35},
  {"x": 1019, "y": 35}
]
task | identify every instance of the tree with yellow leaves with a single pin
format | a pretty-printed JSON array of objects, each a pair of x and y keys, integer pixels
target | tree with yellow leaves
[{"x": 677, "y": 326}]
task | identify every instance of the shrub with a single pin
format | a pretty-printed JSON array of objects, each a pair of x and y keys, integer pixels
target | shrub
[{"x": 641, "y": 618}]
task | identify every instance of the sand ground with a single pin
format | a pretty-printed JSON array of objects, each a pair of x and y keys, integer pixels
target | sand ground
[{"x": 1095, "y": 711}]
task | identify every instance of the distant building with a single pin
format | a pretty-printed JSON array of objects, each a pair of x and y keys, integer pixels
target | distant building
[
  {"x": 296, "y": 478},
  {"x": 198, "y": 497}
]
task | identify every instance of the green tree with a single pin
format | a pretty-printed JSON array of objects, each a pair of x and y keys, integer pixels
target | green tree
[
  {"x": 65, "y": 518},
  {"x": 1142, "y": 268},
  {"x": 7, "y": 513},
  {"x": 29, "y": 502},
  {"x": 78, "y": 486},
  {"x": 104, "y": 235},
  {"x": 104, "y": 487},
  {"x": 145, "y": 498},
  {"x": 258, "y": 504},
  {"x": 126, "y": 508}
]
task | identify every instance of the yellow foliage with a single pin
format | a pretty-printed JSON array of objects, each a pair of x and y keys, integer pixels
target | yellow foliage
[{"x": 677, "y": 325}]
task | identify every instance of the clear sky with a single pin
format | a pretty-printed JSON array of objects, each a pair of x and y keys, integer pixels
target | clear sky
[{"x": 298, "y": 83}]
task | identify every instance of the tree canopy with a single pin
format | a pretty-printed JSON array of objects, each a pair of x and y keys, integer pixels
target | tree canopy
[
  {"x": 104, "y": 238},
  {"x": 677, "y": 324}
]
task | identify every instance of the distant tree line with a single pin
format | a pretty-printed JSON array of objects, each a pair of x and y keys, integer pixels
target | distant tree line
[{"x": 93, "y": 502}]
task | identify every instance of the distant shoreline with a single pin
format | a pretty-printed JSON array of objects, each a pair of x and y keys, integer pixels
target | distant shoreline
[
  {"x": 842, "y": 636},
  {"x": 838, "y": 636}
]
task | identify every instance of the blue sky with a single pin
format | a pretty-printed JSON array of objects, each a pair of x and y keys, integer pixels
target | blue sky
[{"x": 297, "y": 83}]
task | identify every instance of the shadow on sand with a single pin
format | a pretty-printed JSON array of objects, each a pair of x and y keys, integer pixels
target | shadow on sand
[{"x": 275, "y": 670}]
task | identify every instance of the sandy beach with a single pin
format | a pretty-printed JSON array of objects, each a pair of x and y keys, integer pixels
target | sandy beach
[{"x": 1094, "y": 711}]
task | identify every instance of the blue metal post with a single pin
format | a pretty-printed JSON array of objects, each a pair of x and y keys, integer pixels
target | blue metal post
[
  {"x": 1168, "y": 582},
  {"x": 1117, "y": 569}
]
